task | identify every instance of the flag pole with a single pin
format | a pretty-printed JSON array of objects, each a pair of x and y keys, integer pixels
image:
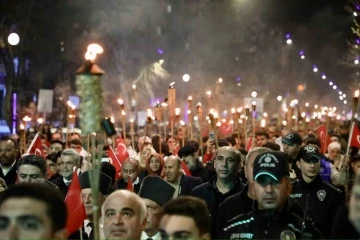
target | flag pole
[
  {"x": 350, "y": 137},
  {"x": 32, "y": 143},
  {"x": 81, "y": 234}
]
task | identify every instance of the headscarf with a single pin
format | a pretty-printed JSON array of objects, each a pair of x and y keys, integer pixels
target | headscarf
[{"x": 159, "y": 172}]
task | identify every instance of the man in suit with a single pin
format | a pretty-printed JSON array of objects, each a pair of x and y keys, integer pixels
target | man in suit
[
  {"x": 69, "y": 162},
  {"x": 86, "y": 194},
  {"x": 129, "y": 170},
  {"x": 8, "y": 154},
  {"x": 183, "y": 184}
]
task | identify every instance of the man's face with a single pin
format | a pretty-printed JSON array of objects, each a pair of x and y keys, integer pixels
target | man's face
[
  {"x": 86, "y": 196},
  {"x": 226, "y": 164},
  {"x": 190, "y": 161},
  {"x": 51, "y": 167},
  {"x": 354, "y": 207},
  {"x": 122, "y": 218},
  {"x": 29, "y": 173},
  {"x": 153, "y": 215},
  {"x": 26, "y": 218},
  {"x": 56, "y": 136},
  {"x": 67, "y": 164},
  {"x": 356, "y": 167},
  {"x": 7, "y": 152},
  {"x": 271, "y": 132},
  {"x": 178, "y": 227},
  {"x": 77, "y": 148},
  {"x": 172, "y": 170},
  {"x": 291, "y": 150},
  {"x": 261, "y": 140},
  {"x": 129, "y": 169},
  {"x": 269, "y": 193},
  {"x": 55, "y": 147},
  {"x": 334, "y": 139},
  {"x": 310, "y": 169}
]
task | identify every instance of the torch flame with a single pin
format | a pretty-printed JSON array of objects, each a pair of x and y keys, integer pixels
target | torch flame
[
  {"x": 357, "y": 93},
  {"x": 120, "y": 101},
  {"x": 92, "y": 50}
]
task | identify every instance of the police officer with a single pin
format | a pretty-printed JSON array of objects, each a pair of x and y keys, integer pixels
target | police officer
[
  {"x": 324, "y": 199},
  {"x": 274, "y": 215}
]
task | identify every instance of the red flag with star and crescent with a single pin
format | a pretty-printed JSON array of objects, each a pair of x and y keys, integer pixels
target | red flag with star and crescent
[
  {"x": 225, "y": 128},
  {"x": 323, "y": 137},
  {"x": 355, "y": 138},
  {"x": 115, "y": 162},
  {"x": 36, "y": 147}
]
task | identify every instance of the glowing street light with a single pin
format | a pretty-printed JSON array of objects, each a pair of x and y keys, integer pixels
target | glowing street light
[
  {"x": 323, "y": 76},
  {"x": 331, "y": 83},
  {"x": 334, "y": 87},
  {"x": 356, "y": 61},
  {"x": 186, "y": 77},
  {"x": 289, "y": 41},
  {"x": 315, "y": 69},
  {"x": 13, "y": 39},
  {"x": 279, "y": 98},
  {"x": 253, "y": 94}
]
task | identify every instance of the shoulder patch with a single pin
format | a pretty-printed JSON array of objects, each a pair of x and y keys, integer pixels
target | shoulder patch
[
  {"x": 240, "y": 222},
  {"x": 333, "y": 187}
]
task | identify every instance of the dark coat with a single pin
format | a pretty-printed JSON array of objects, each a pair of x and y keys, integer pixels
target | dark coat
[
  {"x": 342, "y": 227},
  {"x": 187, "y": 184},
  {"x": 121, "y": 184},
  {"x": 59, "y": 182},
  {"x": 11, "y": 176},
  {"x": 205, "y": 173},
  {"x": 210, "y": 194},
  {"x": 257, "y": 224},
  {"x": 324, "y": 202},
  {"x": 235, "y": 205}
]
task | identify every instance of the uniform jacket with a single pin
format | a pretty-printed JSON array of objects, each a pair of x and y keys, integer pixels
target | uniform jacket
[
  {"x": 324, "y": 201},
  {"x": 284, "y": 224},
  {"x": 235, "y": 205}
]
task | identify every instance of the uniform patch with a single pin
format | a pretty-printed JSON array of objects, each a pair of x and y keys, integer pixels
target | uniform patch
[
  {"x": 241, "y": 236},
  {"x": 321, "y": 194},
  {"x": 268, "y": 160},
  {"x": 287, "y": 235}
]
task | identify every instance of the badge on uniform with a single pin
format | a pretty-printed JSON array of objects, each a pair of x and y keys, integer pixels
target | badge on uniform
[
  {"x": 287, "y": 235},
  {"x": 321, "y": 194}
]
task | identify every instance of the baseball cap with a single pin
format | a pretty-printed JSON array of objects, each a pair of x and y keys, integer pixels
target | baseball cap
[
  {"x": 273, "y": 164},
  {"x": 292, "y": 138},
  {"x": 309, "y": 153}
]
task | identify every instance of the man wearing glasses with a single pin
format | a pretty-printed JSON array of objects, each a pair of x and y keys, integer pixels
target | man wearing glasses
[{"x": 149, "y": 192}]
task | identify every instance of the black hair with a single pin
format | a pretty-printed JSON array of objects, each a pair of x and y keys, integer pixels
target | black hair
[
  {"x": 194, "y": 143},
  {"x": 262, "y": 133},
  {"x": 52, "y": 157},
  {"x": 204, "y": 139},
  {"x": 106, "y": 147},
  {"x": 75, "y": 142},
  {"x": 272, "y": 146},
  {"x": 165, "y": 149},
  {"x": 192, "y": 207},
  {"x": 313, "y": 141},
  {"x": 59, "y": 142},
  {"x": 337, "y": 136},
  {"x": 231, "y": 140},
  {"x": 58, "y": 154},
  {"x": 56, "y": 208},
  {"x": 223, "y": 143},
  {"x": 33, "y": 160}
]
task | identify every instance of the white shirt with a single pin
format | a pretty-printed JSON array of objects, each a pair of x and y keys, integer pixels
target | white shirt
[
  {"x": 87, "y": 228},
  {"x": 144, "y": 236},
  {"x": 6, "y": 171},
  {"x": 67, "y": 183}
]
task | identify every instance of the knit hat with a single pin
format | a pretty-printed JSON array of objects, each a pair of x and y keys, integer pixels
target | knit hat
[{"x": 334, "y": 145}]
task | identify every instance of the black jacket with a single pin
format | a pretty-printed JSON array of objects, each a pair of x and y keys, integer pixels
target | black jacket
[
  {"x": 342, "y": 227},
  {"x": 233, "y": 206},
  {"x": 121, "y": 184},
  {"x": 187, "y": 184},
  {"x": 11, "y": 177},
  {"x": 258, "y": 224},
  {"x": 210, "y": 194},
  {"x": 324, "y": 201},
  {"x": 59, "y": 182}
]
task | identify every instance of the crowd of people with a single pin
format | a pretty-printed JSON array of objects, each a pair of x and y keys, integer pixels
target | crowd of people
[{"x": 282, "y": 187}]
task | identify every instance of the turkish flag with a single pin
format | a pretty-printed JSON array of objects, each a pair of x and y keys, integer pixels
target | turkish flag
[
  {"x": 36, "y": 147},
  {"x": 185, "y": 168},
  {"x": 355, "y": 137},
  {"x": 115, "y": 162},
  {"x": 75, "y": 207},
  {"x": 323, "y": 137},
  {"x": 121, "y": 150},
  {"x": 130, "y": 185},
  {"x": 249, "y": 144},
  {"x": 225, "y": 128}
]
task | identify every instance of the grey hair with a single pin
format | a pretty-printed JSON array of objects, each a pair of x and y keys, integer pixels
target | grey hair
[
  {"x": 72, "y": 153},
  {"x": 257, "y": 150},
  {"x": 128, "y": 194}
]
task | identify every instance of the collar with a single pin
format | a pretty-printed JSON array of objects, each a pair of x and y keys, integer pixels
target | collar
[
  {"x": 136, "y": 181},
  {"x": 6, "y": 171},
  {"x": 314, "y": 184},
  {"x": 66, "y": 181},
  {"x": 290, "y": 209},
  {"x": 86, "y": 222},
  {"x": 144, "y": 236}
]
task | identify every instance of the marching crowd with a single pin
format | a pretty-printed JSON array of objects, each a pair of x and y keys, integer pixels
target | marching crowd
[{"x": 282, "y": 187}]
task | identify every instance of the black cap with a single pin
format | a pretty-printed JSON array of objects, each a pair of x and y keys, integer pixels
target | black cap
[
  {"x": 292, "y": 138},
  {"x": 309, "y": 153},
  {"x": 105, "y": 182},
  {"x": 186, "y": 150},
  {"x": 156, "y": 189},
  {"x": 273, "y": 164}
]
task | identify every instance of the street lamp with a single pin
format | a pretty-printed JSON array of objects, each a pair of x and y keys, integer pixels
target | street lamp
[
  {"x": 186, "y": 77},
  {"x": 254, "y": 94},
  {"x": 13, "y": 39}
]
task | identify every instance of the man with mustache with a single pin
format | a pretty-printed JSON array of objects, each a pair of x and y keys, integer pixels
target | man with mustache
[
  {"x": 124, "y": 216},
  {"x": 87, "y": 198},
  {"x": 224, "y": 184},
  {"x": 324, "y": 198},
  {"x": 8, "y": 154},
  {"x": 274, "y": 216}
]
